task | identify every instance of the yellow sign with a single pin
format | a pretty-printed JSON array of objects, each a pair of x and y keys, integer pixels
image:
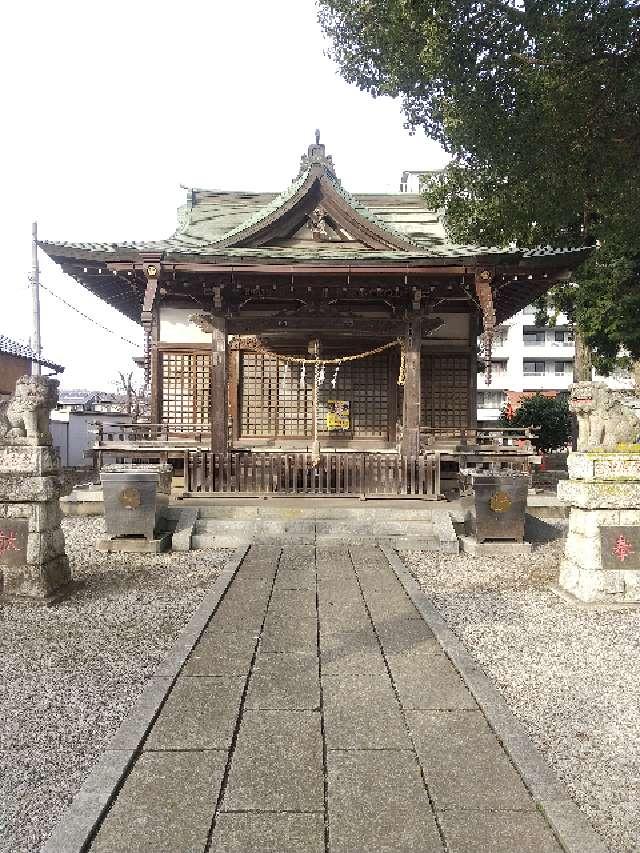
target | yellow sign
[
  {"x": 338, "y": 416},
  {"x": 500, "y": 502}
]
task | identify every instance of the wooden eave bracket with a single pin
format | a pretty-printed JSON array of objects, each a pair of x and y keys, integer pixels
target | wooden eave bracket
[{"x": 484, "y": 292}]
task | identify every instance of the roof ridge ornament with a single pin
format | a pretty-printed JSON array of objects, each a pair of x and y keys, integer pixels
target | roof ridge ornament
[{"x": 316, "y": 156}]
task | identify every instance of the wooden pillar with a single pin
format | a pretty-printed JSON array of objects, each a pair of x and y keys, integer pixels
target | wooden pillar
[
  {"x": 234, "y": 397},
  {"x": 219, "y": 402},
  {"x": 411, "y": 409},
  {"x": 150, "y": 317}
]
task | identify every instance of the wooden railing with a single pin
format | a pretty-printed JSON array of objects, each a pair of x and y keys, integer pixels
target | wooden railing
[
  {"x": 144, "y": 433},
  {"x": 335, "y": 474},
  {"x": 496, "y": 437}
]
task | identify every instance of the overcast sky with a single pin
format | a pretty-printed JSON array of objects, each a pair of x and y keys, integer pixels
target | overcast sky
[{"x": 109, "y": 107}]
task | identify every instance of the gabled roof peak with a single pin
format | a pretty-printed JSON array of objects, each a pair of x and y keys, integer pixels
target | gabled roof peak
[{"x": 316, "y": 156}]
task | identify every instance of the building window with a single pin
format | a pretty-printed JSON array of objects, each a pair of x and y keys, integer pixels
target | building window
[
  {"x": 559, "y": 337},
  {"x": 534, "y": 368},
  {"x": 561, "y": 367},
  {"x": 491, "y": 399},
  {"x": 498, "y": 368},
  {"x": 500, "y": 337},
  {"x": 533, "y": 337}
]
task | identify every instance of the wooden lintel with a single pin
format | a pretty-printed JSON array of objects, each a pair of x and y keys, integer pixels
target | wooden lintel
[{"x": 360, "y": 268}]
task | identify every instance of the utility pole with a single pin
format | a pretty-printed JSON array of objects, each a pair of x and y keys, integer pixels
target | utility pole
[{"x": 35, "y": 293}]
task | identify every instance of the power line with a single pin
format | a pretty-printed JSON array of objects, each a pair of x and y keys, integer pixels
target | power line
[{"x": 87, "y": 317}]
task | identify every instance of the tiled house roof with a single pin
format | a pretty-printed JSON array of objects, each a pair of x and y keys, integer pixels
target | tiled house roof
[{"x": 18, "y": 350}]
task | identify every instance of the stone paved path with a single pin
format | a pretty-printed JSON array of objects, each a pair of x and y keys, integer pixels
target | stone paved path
[{"x": 318, "y": 714}]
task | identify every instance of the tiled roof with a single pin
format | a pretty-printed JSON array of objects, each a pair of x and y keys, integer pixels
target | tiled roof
[
  {"x": 19, "y": 350},
  {"x": 213, "y": 221}
]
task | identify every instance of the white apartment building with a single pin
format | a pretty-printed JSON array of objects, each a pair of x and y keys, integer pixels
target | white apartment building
[
  {"x": 526, "y": 358},
  {"x": 530, "y": 359}
]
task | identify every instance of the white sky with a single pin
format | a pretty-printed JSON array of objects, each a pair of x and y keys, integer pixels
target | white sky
[{"x": 109, "y": 107}]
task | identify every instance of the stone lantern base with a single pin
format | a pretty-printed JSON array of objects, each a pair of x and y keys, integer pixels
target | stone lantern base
[
  {"x": 601, "y": 562},
  {"x": 33, "y": 563}
]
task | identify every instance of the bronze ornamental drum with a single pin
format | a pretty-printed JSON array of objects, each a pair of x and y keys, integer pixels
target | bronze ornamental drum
[
  {"x": 135, "y": 497},
  {"x": 499, "y": 505}
]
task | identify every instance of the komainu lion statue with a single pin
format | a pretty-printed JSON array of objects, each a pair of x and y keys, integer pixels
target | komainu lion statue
[
  {"x": 25, "y": 418},
  {"x": 605, "y": 417}
]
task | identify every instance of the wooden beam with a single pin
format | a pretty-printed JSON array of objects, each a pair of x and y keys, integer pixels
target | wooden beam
[
  {"x": 234, "y": 394},
  {"x": 150, "y": 318},
  {"x": 484, "y": 292},
  {"x": 412, "y": 390},
  {"x": 219, "y": 403}
]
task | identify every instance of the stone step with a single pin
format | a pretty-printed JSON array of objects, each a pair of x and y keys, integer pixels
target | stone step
[
  {"x": 222, "y": 540},
  {"x": 428, "y": 530},
  {"x": 271, "y": 527},
  {"x": 364, "y": 512}
]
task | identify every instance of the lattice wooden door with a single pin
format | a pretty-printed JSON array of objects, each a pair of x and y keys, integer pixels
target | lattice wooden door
[
  {"x": 186, "y": 389},
  {"x": 276, "y": 401},
  {"x": 446, "y": 381}
]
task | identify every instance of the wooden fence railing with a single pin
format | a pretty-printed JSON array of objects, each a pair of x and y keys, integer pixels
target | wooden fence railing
[
  {"x": 146, "y": 433},
  {"x": 336, "y": 474}
]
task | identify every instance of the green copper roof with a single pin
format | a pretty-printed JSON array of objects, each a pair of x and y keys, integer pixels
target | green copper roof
[{"x": 212, "y": 221}]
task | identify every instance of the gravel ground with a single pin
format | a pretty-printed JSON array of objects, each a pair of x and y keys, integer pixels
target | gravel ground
[
  {"x": 571, "y": 676},
  {"x": 69, "y": 674}
]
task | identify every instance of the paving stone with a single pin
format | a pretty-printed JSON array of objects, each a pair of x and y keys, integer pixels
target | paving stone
[
  {"x": 368, "y": 559},
  {"x": 377, "y": 802},
  {"x": 268, "y": 833},
  {"x": 343, "y": 581},
  {"x": 260, "y": 562},
  {"x": 165, "y": 805},
  {"x": 362, "y": 712},
  {"x": 222, "y": 653},
  {"x": 299, "y": 558},
  {"x": 291, "y": 579},
  {"x": 343, "y": 614},
  {"x": 463, "y": 762},
  {"x": 293, "y": 603},
  {"x": 333, "y": 563},
  {"x": 471, "y": 831},
  {"x": 236, "y": 616},
  {"x": 287, "y": 681},
  {"x": 255, "y": 590},
  {"x": 350, "y": 653},
  {"x": 289, "y": 635},
  {"x": 429, "y": 682},
  {"x": 200, "y": 713},
  {"x": 277, "y": 764},
  {"x": 406, "y": 636},
  {"x": 383, "y": 606}
]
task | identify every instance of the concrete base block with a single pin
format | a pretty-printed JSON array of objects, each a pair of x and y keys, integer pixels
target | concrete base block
[
  {"x": 599, "y": 585},
  {"x": 83, "y": 501},
  {"x": 469, "y": 545},
  {"x": 592, "y": 605},
  {"x": 184, "y": 530},
  {"x": 37, "y": 584},
  {"x": 129, "y": 545}
]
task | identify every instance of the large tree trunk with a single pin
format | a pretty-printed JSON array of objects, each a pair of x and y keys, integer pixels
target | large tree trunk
[
  {"x": 635, "y": 372},
  {"x": 582, "y": 363}
]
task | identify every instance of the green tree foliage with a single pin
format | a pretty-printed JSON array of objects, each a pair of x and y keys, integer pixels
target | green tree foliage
[
  {"x": 538, "y": 104},
  {"x": 549, "y": 415}
]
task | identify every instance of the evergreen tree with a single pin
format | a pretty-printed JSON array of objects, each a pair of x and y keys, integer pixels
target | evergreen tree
[{"x": 538, "y": 104}]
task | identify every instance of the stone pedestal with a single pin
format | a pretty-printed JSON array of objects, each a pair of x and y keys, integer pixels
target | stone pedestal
[
  {"x": 601, "y": 562},
  {"x": 33, "y": 563}
]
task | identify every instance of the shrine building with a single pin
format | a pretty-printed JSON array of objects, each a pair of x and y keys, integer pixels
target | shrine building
[{"x": 311, "y": 341}]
